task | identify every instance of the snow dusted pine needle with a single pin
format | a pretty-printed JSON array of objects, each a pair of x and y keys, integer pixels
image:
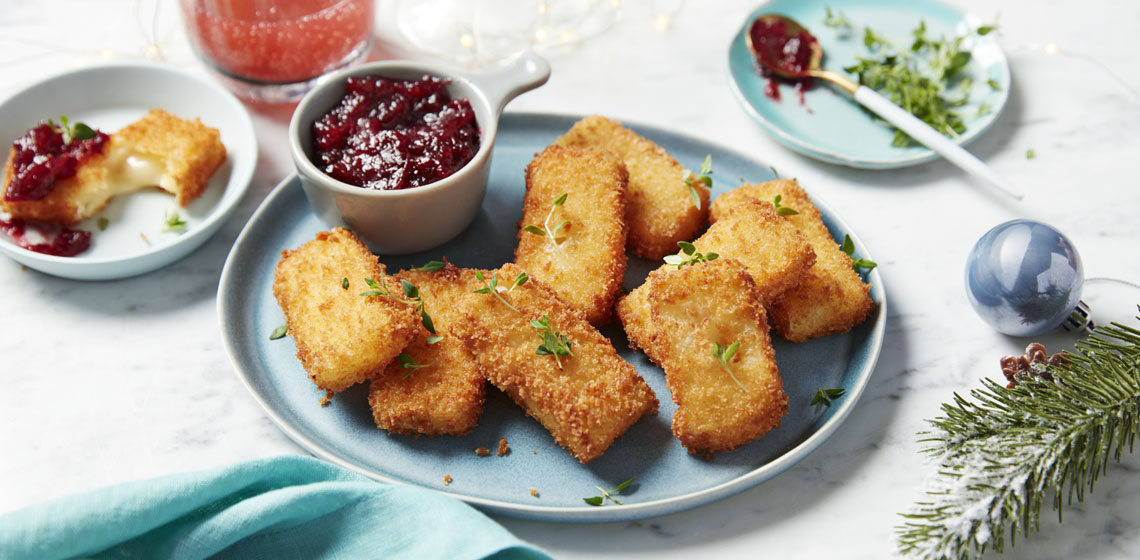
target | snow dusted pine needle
[{"x": 1004, "y": 451}]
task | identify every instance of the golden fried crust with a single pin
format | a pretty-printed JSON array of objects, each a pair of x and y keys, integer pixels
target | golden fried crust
[
  {"x": 342, "y": 337},
  {"x": 773, "y": 251},
  {"x": 586, "y": 266},
  {"x": 190, "y": 151},
  {"x": 587, "y": 402},
  {"x": 659, "y": 208},
  {"x": 677, "y": 317},
  {"x": 181, "y": 156},
  {"x": 831, "y": 297},
  {"x": 447, "y": 396}
]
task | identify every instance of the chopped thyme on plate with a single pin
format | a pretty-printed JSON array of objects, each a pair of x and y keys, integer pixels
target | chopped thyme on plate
[{"x": 928, "y": 78}]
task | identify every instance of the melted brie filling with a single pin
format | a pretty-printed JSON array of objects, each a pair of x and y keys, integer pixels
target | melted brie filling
[
  {"x": 132, "y": 171},
  {"x": 125, "y": 171}
]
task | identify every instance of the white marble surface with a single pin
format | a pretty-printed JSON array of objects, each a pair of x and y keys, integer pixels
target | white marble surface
[{"x": 113, "y": 381}]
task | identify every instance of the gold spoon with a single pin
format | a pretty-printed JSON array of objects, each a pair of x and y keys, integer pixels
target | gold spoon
[{"x": 867, "y": 97}]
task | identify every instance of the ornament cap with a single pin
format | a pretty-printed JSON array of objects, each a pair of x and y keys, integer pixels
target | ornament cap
[{"x": 1080, "y": 319}]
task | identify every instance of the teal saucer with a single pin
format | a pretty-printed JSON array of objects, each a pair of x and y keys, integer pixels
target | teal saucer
[{"x": 829, "y": 125}]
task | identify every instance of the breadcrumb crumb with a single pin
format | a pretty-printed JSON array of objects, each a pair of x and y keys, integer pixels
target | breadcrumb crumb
[
  {"x": 446, "y": 480},
  {"x": 482, "y": 451},
  {"x": 503, "y": 447},
  {"x": 534, "y": 492}
]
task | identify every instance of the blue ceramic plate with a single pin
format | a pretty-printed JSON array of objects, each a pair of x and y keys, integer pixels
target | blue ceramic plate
[
  {"x": 830, "y": 125},
  {"x": 668, "y": 478}
]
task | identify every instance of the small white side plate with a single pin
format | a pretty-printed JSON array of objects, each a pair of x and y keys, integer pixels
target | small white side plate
[{"x": 109, "y": 98}]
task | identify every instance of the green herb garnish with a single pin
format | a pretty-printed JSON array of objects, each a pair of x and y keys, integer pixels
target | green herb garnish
[
  {"x": 103, "y": 222},
  {"x": 433, "y": 339},
  {"x": 1030, "y": 153},
  {"x": 781, "y": 209},
  {"x": 492, "y": 287},
  {"x": 410, "y": 291},
  {"x": 702, "y": 177},
  {"x": 378, "y": 289},
  {"x": 553, "y": 342},
  {"x": 837, "y": 20},
  {"x": 849, "y": 248},
  {"x": 608, "y": 494},
  {"x": 926, "y": 78},
  {"x": 825, "y": 396},
  {"x": 407, "y": 362},
  {"x": 173, "y": 222},
  {"x": 545, "y": 230},
  {"x": 689, "y": 255},
  {"x": 72, "y": 131},
  {"x": 344, "y": 283},
  {"x": 993, "y": 85},
  {"x": 723, "y": 355},
  {"x": 279, "y": 332},
  {"x": 432, "y": 266}
]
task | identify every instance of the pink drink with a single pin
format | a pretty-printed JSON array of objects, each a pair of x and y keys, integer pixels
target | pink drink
[{"x": 276, "y": 42}]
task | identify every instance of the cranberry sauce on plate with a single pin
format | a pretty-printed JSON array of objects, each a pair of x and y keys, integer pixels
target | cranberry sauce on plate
[{"x": 390, "y": 134}]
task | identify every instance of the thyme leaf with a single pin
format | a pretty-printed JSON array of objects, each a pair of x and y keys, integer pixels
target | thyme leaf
[
  {"x": 849, "y": 248},
  {"x": 781, "y": 209},
  {"x": 702, "y": 177},
  {"x": 173, "y": 222},
  {"x": 825, "y": 396},
  {"x": 723, "y": 355},
  {"x": 553, "y": 343},
  {"x": 608, "y": 494},
  {"x": 689, "y": 255},
  {"x": 408, "y": 362}
]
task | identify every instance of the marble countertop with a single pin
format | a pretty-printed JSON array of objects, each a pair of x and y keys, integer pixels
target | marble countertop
[{"x": 105, "y": 382}]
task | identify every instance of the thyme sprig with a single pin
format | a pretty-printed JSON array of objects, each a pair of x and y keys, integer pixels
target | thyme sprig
[
  {"x": 703, "y": 177},
  {"x": 723, "y": 355},
  {"x": 1004, "y": 451},
  {"x": 826, "y": 396},
  {"x": 849, "y": 248},
  {"x": 492, "y": 287},
  {"x": 546, "y": 231},
  {"x": 689, "y": 255},
  {"x": 554, "y": 343},
  {"x": 72, "y": 131},
  {"x": 411, "y": 292},
  {"x": 171, "y": 221},
  {"x": 781, "y": 209},
  {"x": 608, "y": 494},
  {"x": 926, "y": 78},
  {"x": 408, "y": 362}
]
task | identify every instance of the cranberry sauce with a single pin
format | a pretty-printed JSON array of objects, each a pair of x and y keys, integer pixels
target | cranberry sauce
[
  {"x": 63, "y": 242},
  {"x": 41, "y": 159},
  {"x": 389, "y": 134},
  {"x": 776, "y": 48}
]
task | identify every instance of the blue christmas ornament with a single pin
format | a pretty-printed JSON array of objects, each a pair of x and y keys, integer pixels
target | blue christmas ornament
[{"x": 1024, "y": 278}]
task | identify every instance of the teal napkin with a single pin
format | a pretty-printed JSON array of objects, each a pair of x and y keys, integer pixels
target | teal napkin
[{"x": 283, "y": 507}]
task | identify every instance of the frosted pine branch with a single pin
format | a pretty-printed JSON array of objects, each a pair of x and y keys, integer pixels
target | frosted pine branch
[{"x": 1002, "y": 452}]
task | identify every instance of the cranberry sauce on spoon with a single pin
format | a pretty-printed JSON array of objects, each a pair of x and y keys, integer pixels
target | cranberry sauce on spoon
[{"x": 784, "y": 51}]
